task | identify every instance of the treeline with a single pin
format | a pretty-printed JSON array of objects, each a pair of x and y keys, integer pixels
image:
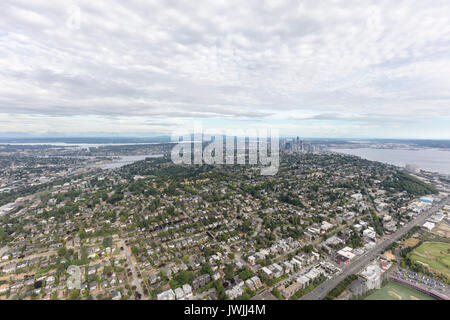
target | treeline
[
  {"x": 301, "y": 292},
  {"x": 405, "y": 182},
  {"x": 4, "y": 236},
  {"x": 341, "y": 287},
  {"x": 254, "y": 189},
  {"x": 376, "y": 223},
  {"x": 163, "y": 168},
  {"x": 291, "y": 198}
]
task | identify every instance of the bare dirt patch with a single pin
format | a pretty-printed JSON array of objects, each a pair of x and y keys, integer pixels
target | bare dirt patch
[
  {"x": 389, "y": 255},
  {"x": 343, "y": 294},
  {"x": 395, "y": 295},
  {"x": 15, "y": 276},
  {"x": 411, "y": 242},
  {"x": 443, "y": 230}
]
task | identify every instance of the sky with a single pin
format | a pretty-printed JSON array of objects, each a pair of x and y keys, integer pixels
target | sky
[{"x": 355, "y": 69}]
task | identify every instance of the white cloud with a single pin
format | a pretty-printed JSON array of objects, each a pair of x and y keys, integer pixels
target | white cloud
[{"x": 371, "y": 63}]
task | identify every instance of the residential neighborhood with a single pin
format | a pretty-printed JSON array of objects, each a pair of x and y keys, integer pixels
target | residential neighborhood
[{"x": 154, "y": 230}]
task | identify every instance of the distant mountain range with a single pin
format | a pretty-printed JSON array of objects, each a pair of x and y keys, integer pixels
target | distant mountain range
[
  {"x": 112, "y": 139},
  {"x": 85, "y": 140}
]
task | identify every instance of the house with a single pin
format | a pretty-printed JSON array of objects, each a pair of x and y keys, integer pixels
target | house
[
  {"x": 216, "y": 275},
  {"x": 115, "y": 295},
  {"x": 290, "y": 290},
  {"x": 166, "y": 295},
  {"x": 326, "y": 226},
  {"x": 277, "y": 270},
  {"x": 312, "y": 274},
  {"x": 21, "y": 265},
  {"x": 200, "y": 281},
  {"x": 326, "y": 248},
  {"x": 288, "y": 266},
  {"x": 296, "y": 261},
  {"x": 267, "y": 272},
  {"x": 187, "y": 289},
  {"x": 313, "y": 230},
  {"x": 315, "y": 256},
  {"x": 249, "y": 283},
  {"x": 50, "y": 280},
  {"x": 91, "y": 271},
  {"x": 344, "y": 255},
  {"x": 234, "y": 292},
  {"x": 370, "y": 233},
  {"x": 349, "y": 216},
  {"x": 357, "y": 196},
  {"x": 363, "y": 223},
  {"x": 390, "y": 226},
  {"x": 4, "y": 287},
  {"x": 257, "y": 282},
  {"x": 303, "y": 281},
  {"x": 179, "y": 293},
  {"x": 153, "y": 277},
  {"x": 9, "y": 268},
  {"x": 92, "y": 285},
  {"x": 261, "y": 255}
]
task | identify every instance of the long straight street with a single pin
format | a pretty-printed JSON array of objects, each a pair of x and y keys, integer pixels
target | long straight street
[{"x": 358, "y": 264}]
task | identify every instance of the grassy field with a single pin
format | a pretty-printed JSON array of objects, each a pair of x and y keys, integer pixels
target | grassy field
[
  {"x": 436, "y": 255},
  {"x": 395, "y": 291}
]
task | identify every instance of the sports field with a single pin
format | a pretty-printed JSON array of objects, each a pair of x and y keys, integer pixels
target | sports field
[
  {"x": 395, "y": 291},
  {"x": 435, "y": 255}
]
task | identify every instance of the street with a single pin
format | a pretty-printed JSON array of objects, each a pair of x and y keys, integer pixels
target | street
[
  {"x": 135, "y": 279},
  {"x": 355, "y": 266}
]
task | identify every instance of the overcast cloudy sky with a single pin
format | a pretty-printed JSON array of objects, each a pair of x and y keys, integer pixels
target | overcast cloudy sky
[{"x": 310, "y": 68}]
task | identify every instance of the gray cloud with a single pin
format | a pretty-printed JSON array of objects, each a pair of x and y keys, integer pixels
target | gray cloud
[{"x": 369, "y": 62}]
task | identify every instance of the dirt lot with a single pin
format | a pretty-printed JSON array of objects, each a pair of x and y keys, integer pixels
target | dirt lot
[
  {"x": 389, "y": 255},
  {"x": 411, "y": 242},
  {"x": 15, "y": 276},
  {"x": 443, "y": 230}
]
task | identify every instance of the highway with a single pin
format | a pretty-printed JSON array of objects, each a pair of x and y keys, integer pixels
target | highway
[{"x": 359, "y": 263}]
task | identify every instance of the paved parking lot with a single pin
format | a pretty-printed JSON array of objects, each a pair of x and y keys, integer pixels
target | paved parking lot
[{"x": 422, "y": 280}]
